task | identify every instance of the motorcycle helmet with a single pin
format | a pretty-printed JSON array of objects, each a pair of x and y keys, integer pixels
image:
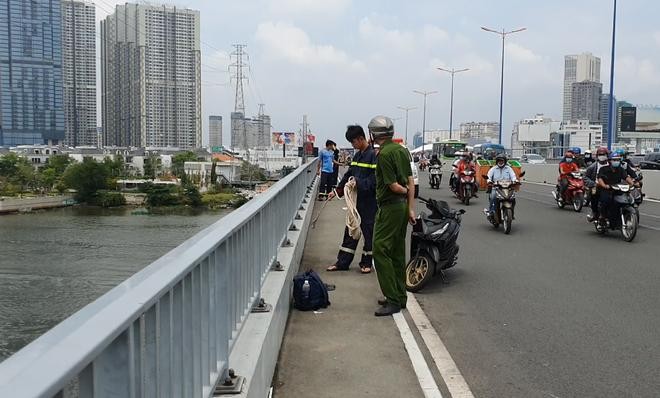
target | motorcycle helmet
[
  {"x": 587, "y": 154},
  {"x": 622, "y": 153},
  {"x": 602, "y": 154},
  {"x": 381, "y": 126},
  {"x": 501, "y": 157},
  {"x": 615, "y": 159}
]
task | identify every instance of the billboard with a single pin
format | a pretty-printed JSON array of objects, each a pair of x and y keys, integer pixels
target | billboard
[
  {"x": 640, "y": 122},
  {"x": 279, "y": 138}
]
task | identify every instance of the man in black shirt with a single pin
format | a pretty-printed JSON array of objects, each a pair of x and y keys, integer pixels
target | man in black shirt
[{"x": 611, "y": 175}]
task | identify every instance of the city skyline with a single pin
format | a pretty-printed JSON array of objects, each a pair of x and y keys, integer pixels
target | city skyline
[{"x": 376, "y": 53}]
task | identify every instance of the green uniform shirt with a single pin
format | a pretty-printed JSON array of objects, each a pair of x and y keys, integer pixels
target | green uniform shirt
[{"x": 393, "y": 165}]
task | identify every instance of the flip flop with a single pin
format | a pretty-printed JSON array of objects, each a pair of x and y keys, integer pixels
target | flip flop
[
  {"x": 334, "y": 268},
  {"x": 365, "y": 270}
]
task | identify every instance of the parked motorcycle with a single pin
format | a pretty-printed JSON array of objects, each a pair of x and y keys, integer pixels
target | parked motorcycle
[
  {"x": 433, "y": 246},
  {"x": 467, "y": 186},
  {"x": 435, "y": 176},
  {"x": 624, "y": 216},
  {"x": 505, "y": 203},
  {"x": 574, "y": 193}
]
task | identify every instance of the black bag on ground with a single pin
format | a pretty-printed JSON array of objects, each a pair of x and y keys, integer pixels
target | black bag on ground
[{"x": 309, "y": 291}]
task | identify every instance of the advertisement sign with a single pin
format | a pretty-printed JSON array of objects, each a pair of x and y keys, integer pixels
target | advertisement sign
[
  {"x": 287, "y": 138},
  {"x": 640, "y": 122},
  {"x": 628, "y": 118}
]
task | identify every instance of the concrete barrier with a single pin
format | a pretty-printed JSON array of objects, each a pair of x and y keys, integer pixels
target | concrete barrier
[
  {"x": 547, "y": 173},
  {"x": 12, "y": 205}
]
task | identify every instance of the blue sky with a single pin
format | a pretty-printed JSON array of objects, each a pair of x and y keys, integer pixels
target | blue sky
[{"x": 344, "y": 61}]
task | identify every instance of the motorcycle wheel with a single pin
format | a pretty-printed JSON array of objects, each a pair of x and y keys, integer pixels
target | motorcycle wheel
[
  {"x": 467, "y": 195},
  {"x": 466, "y": 200},
  {"x": 560, "y": 203},
  {"x": 508, "y": 219},
  {"x": 629, "y": 228},
  {"x": 418, "y": 272},
  {"x": 578, "y": 202}
]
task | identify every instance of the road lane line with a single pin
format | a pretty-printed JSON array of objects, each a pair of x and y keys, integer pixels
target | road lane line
[
  {"x": 456, "y": 384},
  {"x": 424, "y": 376}
]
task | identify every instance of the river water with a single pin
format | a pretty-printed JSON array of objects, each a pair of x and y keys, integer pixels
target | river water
[{"x": 55, "y": 262}]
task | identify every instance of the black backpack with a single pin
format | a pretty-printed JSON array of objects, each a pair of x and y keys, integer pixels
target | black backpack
[{"x": 311, "y": 295}]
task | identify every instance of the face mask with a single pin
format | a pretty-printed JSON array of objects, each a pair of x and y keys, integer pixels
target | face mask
[
  {"x": 500, "y": 165},
  {"x": 602, "y": 158},
  {"x": 616, "y": 163},
  {"x": 569, "y": 160}
]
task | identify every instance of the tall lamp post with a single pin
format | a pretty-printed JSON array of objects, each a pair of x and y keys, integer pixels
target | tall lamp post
[
  {"x": 406, "y": 109},
  {"x": 504, "y": 34},
  {"x": 425, "y": 94},
  {"x": 452, "y": 72},
  {"x": 611, "y": 122}
]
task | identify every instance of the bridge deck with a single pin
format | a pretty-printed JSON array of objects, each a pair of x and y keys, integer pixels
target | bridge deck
[{"x": 343, "y": 350}]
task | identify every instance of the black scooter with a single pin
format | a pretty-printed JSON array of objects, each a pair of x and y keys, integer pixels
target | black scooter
[{"x": 433, "y": 246}]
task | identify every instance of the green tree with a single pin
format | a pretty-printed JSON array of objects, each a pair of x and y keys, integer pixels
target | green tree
[
  {"x": 59, "y": 163},
  {"x": 160, "y": 195},
  {"x": 86, "y": 178},
  {"x": 179, "y": 159},
  {"x": 191, "y": 196},
  {"x": 251, "y": 172},
  {"x": 151, "y": 167}
]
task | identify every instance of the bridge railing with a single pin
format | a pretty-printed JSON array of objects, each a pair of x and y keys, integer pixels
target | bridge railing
[{"x": 168, "y": 330}]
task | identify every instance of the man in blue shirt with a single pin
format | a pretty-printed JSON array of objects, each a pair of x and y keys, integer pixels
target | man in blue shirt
[
  {"x": 500, "y": 172},
  {"x": 326, "y": 170}
]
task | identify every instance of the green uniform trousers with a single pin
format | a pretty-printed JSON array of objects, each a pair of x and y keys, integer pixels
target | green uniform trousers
[{"x": 389, "y": 250}]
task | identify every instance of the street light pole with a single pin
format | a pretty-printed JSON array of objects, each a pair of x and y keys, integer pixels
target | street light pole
[
  {"x": 425, "y": 94},
  {"x": 406, "y": 109},
  {"x": 452, "y": 71},
  {"x": 503, "y": 33},
  {"x": 611, "y": 125}
]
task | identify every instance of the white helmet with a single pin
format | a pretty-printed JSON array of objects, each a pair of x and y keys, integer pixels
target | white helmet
[{"x": 381, "y": 126}]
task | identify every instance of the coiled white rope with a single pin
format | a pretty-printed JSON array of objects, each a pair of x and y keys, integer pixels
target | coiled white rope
[{"x": 353, "y": 219}]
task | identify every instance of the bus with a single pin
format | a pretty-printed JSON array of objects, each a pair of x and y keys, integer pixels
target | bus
[
  {"x": 488, "y": 151},
  {"x": 447, "y": 148}
]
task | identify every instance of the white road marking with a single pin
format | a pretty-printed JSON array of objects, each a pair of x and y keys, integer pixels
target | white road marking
[
  {"x": 424, "y": 376},
  {"x": 456, "y": 384}
]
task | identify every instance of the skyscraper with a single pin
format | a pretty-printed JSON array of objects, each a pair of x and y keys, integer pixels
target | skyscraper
[
  {"x": 151, "y": 79},
  {"x": 31, "y": 108},
  {"x": 215, "y": 131},
  {"x": 578, "y": 68},
  {"x": 605, "y": 115},
  {"x": 250, "y": 133},
  {"x": 585, "y": 100},
  {"x": 79, "y": 72}
]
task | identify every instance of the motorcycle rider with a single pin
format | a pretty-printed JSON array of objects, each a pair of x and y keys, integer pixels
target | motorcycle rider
[
  {"x": 591, "y": 180},
  {"x": 500, "y": 172},
  {"x": 566, "y": 167},
  {"x": 453, "y": 178},
  {"x": 588, "y": 158},
  {"x": 463, "y": 164},
  {"x": 610, "y": 175},
  {"x": 627, "y": 164}
]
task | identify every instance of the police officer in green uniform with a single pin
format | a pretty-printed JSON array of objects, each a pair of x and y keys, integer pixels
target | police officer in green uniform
[{"x": 395, "y": 194}]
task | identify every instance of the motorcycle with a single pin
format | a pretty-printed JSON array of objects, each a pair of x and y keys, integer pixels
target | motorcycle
[
  {"x": 433, "y": 244},
  {"x": 574, "y": 193},
  {"x": 467, "y": 186},
  {"x": 505, "y": 203},
  {"x": 624, "y": 216},
  {"x": 435, "y": 176}
]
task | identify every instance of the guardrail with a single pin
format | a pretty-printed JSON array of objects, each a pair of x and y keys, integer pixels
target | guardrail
[{"x": 168, "y": 330}]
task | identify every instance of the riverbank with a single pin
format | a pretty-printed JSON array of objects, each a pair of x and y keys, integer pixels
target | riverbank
[{"x": 25, "y": 205}]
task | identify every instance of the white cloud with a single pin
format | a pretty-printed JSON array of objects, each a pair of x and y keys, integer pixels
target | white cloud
[
  {"x": 307, "y": 7},
  {"x": 522, "y": 54},
  {"x": 433, "y": 34},
  {"x": 380, "y": 36},
  {"x": 656, "y": 36},
  {"x": 284, "y": 40}
]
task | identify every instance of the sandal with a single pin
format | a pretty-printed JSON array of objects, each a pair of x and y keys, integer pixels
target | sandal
[
  {"x": 334, "y": 268},
  {"x": 365, "y": 269}
]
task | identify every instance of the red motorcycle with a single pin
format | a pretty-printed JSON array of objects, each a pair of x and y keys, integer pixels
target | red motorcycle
[
  {"x": 574, "y": 193},
  {"x": 467, "y": 186}
]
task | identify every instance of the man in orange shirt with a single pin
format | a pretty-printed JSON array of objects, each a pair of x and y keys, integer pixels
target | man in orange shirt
[{"x": 566, "y": 167}]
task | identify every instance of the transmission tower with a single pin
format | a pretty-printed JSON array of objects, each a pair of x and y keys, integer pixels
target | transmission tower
[{"x": 238, "y": 76}]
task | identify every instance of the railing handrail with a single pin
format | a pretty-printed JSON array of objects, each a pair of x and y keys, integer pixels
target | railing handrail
[{"x": 45, "y": 365}]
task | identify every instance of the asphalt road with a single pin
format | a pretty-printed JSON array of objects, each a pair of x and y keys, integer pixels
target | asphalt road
[{"x": 553, "y": 309}]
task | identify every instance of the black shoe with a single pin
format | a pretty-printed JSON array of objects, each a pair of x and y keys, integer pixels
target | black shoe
[
  {"x": 387, "y": 309},
  {"x": 384, "y": 302}
]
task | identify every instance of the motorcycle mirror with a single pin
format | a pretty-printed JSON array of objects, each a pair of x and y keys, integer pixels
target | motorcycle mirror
[
  {"x": 485, "y": 177},
  {"x": 522, "y": 174}
]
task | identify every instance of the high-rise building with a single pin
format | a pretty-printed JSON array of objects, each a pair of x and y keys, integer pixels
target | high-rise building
[
  {"x": 250, "y": 133},
  {"x": 150, "y": 76},
  {"x": 79, "y": 72},
  {"x": 215, "y": 131},
  {"x": 585, "y": 98},
  {"x": 31, "y": 107},
  {"x": 578, "y": 68},
  {"x": 480, "y": 132},
  {"x": 605, "y": 115}
]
